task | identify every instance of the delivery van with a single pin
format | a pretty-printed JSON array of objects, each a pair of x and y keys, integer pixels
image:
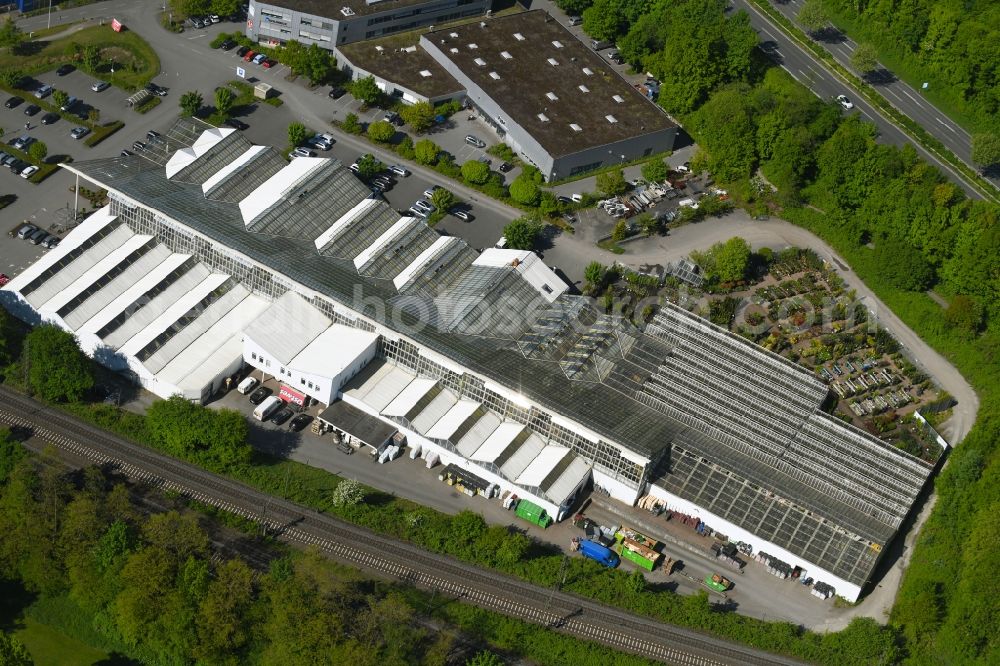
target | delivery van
[{"x": 268, "y": 407}]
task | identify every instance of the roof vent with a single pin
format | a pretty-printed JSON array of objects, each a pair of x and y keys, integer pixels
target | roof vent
[
  {"x": 410, "y": 49},
  {"x": 518, "y": 36},
  {"x": 347, "y": 11},
  {"x": 611, "y": 119},
  {"x": 588, "y": 71},
  {"x": 480, "y": 62},
  {"x": 494, "y": 76},
  {"x": 453, "y": 35},
  {"x": 544, "y": 118},
  {"x": 551, "y": 96},
  {"x": 583, "y": 88},
  {"x": 506, "y": 55},
  {"x": 473, "y": 46},
  {"x": 454, "y": 50},
  {"x": 553, "y": 62},
  {"x": 575, "y": 127},
  {"x": 379, "y": 48},
  {"x": 425, "y": 73},
  {"x": 556, "y": 43},
  {"x": 618, "y": 98}
]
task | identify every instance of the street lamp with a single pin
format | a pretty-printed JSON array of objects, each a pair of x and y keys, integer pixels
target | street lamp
[{"x": 49, "y": 22}]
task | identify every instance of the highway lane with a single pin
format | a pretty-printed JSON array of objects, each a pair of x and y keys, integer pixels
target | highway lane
[
  {"x": 809, "y": 71},
  {"x": 900, "y": 94},
  {"x": 556, "y": 610}
]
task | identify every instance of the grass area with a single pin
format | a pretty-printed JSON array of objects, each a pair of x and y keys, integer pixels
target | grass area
[
  {"x": 103, "y": 132},
  {"x": 135, "y": 61},
  {"x": 48, "y": 645},
  {"x": 147, "y": 105},
  {"x": 610, "y": 246},
  {"x": 274, "y": 101},
  {"x": 54, "y": 30}
]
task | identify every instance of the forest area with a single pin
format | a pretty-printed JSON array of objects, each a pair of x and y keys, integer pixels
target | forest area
[{"x": 902, "y": 226}]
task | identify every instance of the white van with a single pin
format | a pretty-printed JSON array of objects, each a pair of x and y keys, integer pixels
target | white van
[
  {"x": 247, "y": 385},
  {"x": 502, "y": 243},
  {"x": 268, "y": 407}
]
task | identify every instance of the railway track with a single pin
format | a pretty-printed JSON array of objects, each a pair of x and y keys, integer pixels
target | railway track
[{"x": 560, "y": 611}]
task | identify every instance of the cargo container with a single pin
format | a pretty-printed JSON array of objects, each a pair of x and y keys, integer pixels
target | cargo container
[
  {"x": 717, "y": 582},
  {"x": 598, "y": 553},
  {"x": 533, "y": 513}
]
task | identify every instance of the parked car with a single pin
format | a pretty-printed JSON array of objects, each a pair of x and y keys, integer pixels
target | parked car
[
  {"x": 156, "y": 90},
  {"x": 100, "y": 86},
  {"x": 268, "y": 63},
  {"x": 616, "y": 58},
  {"x": 461, "y": 214},
  {"x": 154, "y": 136},
  {"x": 13, "y": 101},
  {"x": 429, "y": 192},
  {"x": 337, "y": 92},
  {"x": 261, "y": 394},
  {"x": 50, "y": 118},
  {"x": 26, "y": 231},
  {"x": 574, "y": 20},
  {"x": 126, "y": 153},
  {"x": 65, "y": 69},
  {"x": 425, "y": 205},
  {"x": 29, "y": 171},
  {"x": 299, "y": 422},
  {"x": 259, "y": 59},
  {"x": 475, "y": 141},
  {"x": 399, "y": 171},
  {"x": 250, "y": 55},
  {"x": 4, "y": 279},
  {"x": 43, "y": 91},
  {"x": 138, "y": 145},
  {"x": 282, "y": 415},
  {"x": 18, "y": 166},
  {"x": 845, "y": 102},
  {"x": 37, "y": 236},
  {"x": 79, "y": 132},
  {"x": 51, "y": 242},
  {"x": 22, "y": 142},
  {"x": 242, "y": 51},
  {"x": 505, "y": 167},
  {"x": 302, "y": 152},
  {"x": 227, "y": 45},
  {"x": 237, "y": 124},
  {"x": 70, "y": 103},
  {"x": 417, "y": 212},
  {"x": 214, "y": 19},
  {"x": 32, "y": 109}
]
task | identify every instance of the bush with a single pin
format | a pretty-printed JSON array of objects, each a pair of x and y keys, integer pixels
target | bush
[
  {"x": 381, "y": 131},
  {"x": 57, "y": 368},
  {"x": 426, "y": 152},
  {"x": 475, "y": 172},
  {"x": 351, "y": 124},
  {"x": 612, "y": 183},
  {"x": 655, "y": 171},
  {"x": 524, "y": 190}
]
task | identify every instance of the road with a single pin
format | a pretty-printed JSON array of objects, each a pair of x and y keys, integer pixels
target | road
[
  {"x": 302, "y": 526},
  {"x": 900, "y": 94},
  {"x": 810, "y": 72}
]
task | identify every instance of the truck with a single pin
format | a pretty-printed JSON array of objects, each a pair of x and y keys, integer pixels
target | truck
[
  {"x": 717, "y": 582},
  {"x": 597, "y": 552},
  {"x": 533, "y": 513}
]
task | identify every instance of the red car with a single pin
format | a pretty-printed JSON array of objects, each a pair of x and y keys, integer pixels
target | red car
[
  {"x": 268, "y": 63},
  {"x": 4, "y": 279},
  {"x": 249, "y": 56}
]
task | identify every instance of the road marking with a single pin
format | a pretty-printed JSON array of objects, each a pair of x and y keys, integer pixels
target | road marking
[
  {"x": 915, "y": 100},
  {"x": 947, "y": 126}
]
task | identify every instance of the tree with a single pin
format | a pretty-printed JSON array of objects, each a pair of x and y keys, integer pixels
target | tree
[
  {"x": 474, "y": 172},
  {"x": 369, "y": 166},
  {"x": 381, "y": 131},
  {"x": 225, "y": 7},
  {"x": 295, "y": 55},
  {"x": 38, "y": 151},
  {"x": 603, "y": 20},
  {"x": 522, "y": 233},
  {"x": 812, "y": 16},
  {"x": 60, "y": 97},
  {"x": 216, "y": 438},
  {"x": 94, "y": 116},
  {"x": 297, "y": 134},
  {"x": 224, "y": 100},
  {"x": 191, "y": 102},
  {"x": 964, "y": 314},
  {"x": 347, "y": 493},
  {"x": 902, "y": 265},
  {"x": 222, "y": 623},
  {"x": 366, "y": 90},
  {"x": 13, "y": 652},
  {"x": 419, "y": 116},
  {"x": 426, "y": 152},
  {"x": 525, "y": 191},
  {"x": 12, "y": 77},
  {"x": 58, "y": 370},
  {"x": 11, "y": 35},
  {"x": 986, "y": 149},
  {"x": 91, "y": 57},
  {"x": 655, "y": 171},
  {"x": 726, "y": 262},
  {"x": 485, "y": 658},
  {"x": 612, "y": 183},
  {"x": 864, "y": 58},
  {"x": 595, "y": 274},
  {"x": 620, "y": 231},
  {"x": 319, "y": 64},
  {"x": 443, "y": 199},
  {"x": 351, "y": 124}
]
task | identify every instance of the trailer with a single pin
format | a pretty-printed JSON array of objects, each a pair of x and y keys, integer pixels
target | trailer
[
  {"x": 533, "y": 513},
  {"x": 717, "y": 582}
]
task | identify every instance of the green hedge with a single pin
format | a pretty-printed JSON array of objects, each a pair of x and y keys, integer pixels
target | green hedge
[{"x": 103, "y": 132}]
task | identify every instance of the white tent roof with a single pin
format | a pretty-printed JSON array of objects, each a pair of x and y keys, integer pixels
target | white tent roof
[
  {"x": 541, "y": 465},
  {"x": 382, "y": 388},
  {"x": 345, "y": 220},
  {"x": 453, "y": 419},
  {"x": 288, "y": 326},
  {"x": 423, "y": 261},
  {"x": 409, "y": 396},
  {"x": 333, "y": 350},
  {"x": 529, "y": 266},
  {"x": 498, "y": 441},
  {"x": 434, "y": 411},
  {"x": 401, "y": 226},
  {"x": 522, "y": 457},
  {"x": 225, "y": 172},
  {"x": 277, "y": 186},
  {"x": 202, "y": 144},
  {"x": 478, "y": 434}
]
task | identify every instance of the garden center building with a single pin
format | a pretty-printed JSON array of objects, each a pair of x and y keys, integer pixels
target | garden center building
[{"x": 214, "y": 252}]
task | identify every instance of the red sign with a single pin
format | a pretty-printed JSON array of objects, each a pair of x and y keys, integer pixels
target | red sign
[
  {"x": 250, "y": 23},
  {"x": 116, "y": 25},
  {"x": 291, "y": 395}
]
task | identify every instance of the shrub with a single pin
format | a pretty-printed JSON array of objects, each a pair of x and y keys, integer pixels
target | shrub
[
  {"x": 524, "y": 190},
  {"x": 381, "y": 131},
  {"x": 475, "y": 172},
  {"x": 426, "y": 152}
]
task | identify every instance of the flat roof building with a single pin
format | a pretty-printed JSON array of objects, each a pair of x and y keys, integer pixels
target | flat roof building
[
  {"x": 401, "y": 68},
  {"x": 486, "y": 361},
  {"x": 549, "y": 96},
  {"x": 330, "y": 24}
]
